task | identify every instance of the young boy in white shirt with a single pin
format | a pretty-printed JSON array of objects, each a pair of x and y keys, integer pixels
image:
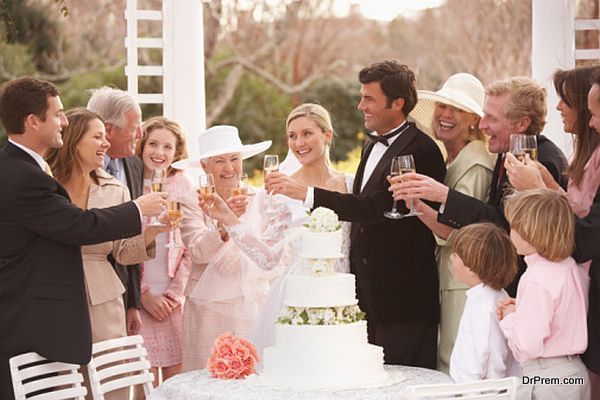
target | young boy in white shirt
[{"x": 483, "y": 258}]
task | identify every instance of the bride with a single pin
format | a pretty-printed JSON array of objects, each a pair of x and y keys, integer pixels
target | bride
[{"x": 309, "y": 135}]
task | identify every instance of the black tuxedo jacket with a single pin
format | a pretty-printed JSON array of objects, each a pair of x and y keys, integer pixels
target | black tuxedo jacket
[
  {"x": 130, "y": 274},
  {"x": 393, "y": 260},
  {"x": 43, "y": 304},
  {"x": 461, "y": 209},
  {"x": 587, "y": 247}
]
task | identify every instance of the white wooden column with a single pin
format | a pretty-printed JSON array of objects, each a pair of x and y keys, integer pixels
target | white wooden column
[
  {"x": 553, "y": 47},
  {"x": 183, "y": 62}
]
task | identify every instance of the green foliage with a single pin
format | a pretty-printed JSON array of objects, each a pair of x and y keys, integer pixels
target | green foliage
[
  {"x": 340, "y": 98},
  {"x": 15, "y": 60},
  {"x": 75, "y": 91},
  {"x": 259, "y": 111},
  {"x": 34, "y": 25}
]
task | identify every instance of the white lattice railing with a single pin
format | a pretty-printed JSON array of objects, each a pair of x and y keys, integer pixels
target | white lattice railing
[
  {"x": 133, "y": 43},
  {"x": 182, "y": 69},
  {"x": 587, "y": 25}
]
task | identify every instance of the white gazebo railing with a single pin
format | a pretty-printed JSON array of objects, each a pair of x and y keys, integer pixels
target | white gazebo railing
[
  {"x": 587, "y": 25},
  {"x": 182, "y": 69}
]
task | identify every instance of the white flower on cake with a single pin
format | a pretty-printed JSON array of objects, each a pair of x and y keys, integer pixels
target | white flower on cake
[
  {"x": 322, "y": 266},
  {"x": 321, "y": 315},
  {"x": 323, "y": 220}
]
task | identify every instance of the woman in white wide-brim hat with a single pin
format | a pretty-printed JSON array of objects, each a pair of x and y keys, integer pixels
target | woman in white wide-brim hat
[
  {"x": 452, "y": 116},
  {"x": 225, "y": 287},
  {"x": 309, "y": 134}
]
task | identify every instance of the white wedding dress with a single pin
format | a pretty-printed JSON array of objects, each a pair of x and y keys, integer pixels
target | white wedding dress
[{"x": 282, "y": 255}]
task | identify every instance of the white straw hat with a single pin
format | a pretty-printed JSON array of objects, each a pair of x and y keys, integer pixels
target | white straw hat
[
  {"x": 221, "y": 139},
  {"x": 462, "y": 90}
]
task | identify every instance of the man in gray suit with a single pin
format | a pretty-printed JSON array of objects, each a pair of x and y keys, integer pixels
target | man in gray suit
[{"x": 123, "y": 121}]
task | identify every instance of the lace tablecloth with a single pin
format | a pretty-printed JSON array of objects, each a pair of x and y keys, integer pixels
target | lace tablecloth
[{"x": 198, "y": 385}]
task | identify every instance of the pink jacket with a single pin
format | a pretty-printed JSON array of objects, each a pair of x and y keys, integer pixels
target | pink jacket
[{"x": 178, "y": 260}]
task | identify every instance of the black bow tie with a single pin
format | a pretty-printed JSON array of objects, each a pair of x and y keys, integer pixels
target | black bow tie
[{"x": 383, "y": 139}]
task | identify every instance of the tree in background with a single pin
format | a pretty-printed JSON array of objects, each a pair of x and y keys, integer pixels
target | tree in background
[
  {"x": 263, "y": 57},
  {"x": 490, "y": 39}
]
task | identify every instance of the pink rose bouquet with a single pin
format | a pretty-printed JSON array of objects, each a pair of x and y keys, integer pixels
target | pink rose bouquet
[{"x": 232, "y": 357}]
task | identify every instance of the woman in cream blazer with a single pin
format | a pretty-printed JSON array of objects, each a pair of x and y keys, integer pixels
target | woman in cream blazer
[{"x": 78, "y": 166}]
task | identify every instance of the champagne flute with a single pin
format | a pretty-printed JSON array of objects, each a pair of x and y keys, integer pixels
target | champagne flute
[
  {"x": 521, "y": 144},
  {"x": 270, "y": 165},
  {"x": 157, "y": 184},
  {"x": 394, "y": 171},
  {"x": 241, "y": 188},
  {"x": 207, "y": 190},
  {"x": 402, "y": 165},
  {"x": 175, "y": 215}
]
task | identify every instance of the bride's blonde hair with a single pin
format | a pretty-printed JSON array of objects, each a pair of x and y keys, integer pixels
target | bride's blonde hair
[{"x": 316, "y": 113}]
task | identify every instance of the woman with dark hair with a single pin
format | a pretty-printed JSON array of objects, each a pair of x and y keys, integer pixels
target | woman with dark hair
[
  {"x": 572, "y": 86},
  {"x": 77, "y": 165},
  {"x": 578, "y": 89}
]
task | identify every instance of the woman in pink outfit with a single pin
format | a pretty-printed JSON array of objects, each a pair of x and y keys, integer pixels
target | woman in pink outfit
[
  {"x": 164, "y": 277},
  {"x": 226, "y": 287}
]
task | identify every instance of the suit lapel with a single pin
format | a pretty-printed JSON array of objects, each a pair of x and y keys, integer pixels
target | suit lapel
[
  {"x": 133, "y": 177},
  {"x": 361, "y": 166},
  {"x": 14, "y": 151},
  {"x": 496, "y": 187},
  {"x": 383, "y": 166}
]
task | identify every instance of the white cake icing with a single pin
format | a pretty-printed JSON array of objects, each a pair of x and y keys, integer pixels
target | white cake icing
[
  {"x": 326, "y": 339},
  {"x": 320, "y": 343},
  {"x": 321, "y": 244},
  {"x": 340, "y": 368},
  {"x": 325, "y": 291}
]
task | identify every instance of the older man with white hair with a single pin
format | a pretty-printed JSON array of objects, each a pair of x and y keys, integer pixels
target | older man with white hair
[{"x": 123, "y": 120}]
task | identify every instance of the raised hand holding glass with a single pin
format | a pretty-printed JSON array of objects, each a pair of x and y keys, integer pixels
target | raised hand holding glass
[
  {"x": 157, "y": 184},
  {"x": 401, "y": 165},
  {"x": 207, "y": 190}
]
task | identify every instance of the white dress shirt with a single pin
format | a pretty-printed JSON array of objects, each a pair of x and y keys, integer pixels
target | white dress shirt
[
  {"x": 37, "y": 157},
  {"x": 375, "y": 156},
  {"x": 480, "y": 350}
]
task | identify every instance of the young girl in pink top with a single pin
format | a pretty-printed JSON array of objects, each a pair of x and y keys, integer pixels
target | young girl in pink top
[
  {"x": 164, "y": 277},
  {"x": 546, "y": 326}
]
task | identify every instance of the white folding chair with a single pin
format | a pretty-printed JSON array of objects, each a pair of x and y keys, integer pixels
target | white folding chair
[
  {"x": 496, "y": 389},
  {"x": 119, "y": 363},
  {"x": 32, "y": 373}
]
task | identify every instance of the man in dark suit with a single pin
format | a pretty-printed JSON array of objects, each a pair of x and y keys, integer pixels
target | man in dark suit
[
  {"x": 123, "y": 119},
  {"x": 512, "y": 106},
  {"x": 393, "y": 260},
  {"x": 43, "y": 304},
  {"x": 587, "y": 233}
]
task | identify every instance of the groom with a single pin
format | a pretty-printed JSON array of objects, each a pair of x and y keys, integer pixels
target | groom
[{"x": 393, "y": 260}]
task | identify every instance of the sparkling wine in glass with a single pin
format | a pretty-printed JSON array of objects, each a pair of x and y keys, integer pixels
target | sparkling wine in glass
[
  {"x": 402, "y": 165},
  {"x": 270, "y": 165},
  {"x": 207, "y": 191},
  {"x": 157, "y": 184},
  {"x": 521, "y": 144},
  {"x": 241, "y": 188},
  {"x": 394, "y": 171},
  {"x": 175, "y": 215}
]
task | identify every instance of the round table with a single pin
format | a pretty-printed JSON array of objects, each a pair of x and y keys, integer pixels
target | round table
[{"x": 198, "y": 385}]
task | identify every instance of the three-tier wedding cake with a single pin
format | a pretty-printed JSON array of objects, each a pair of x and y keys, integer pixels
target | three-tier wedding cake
[{"x": 321, "y": 337}]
